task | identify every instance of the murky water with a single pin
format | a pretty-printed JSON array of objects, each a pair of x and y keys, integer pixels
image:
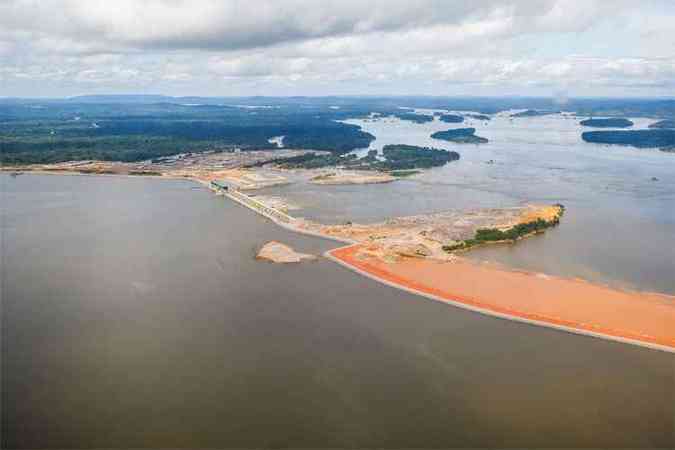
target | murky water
[
  {"x": 619, "y": 227},
  {"x": 135, "y": 316}
]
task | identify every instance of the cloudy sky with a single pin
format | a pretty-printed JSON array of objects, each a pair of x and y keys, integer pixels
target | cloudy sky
[{"x": 336, "y": 47}]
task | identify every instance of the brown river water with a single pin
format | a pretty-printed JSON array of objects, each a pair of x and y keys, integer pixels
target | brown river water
[{"x": 135, "y": 315}]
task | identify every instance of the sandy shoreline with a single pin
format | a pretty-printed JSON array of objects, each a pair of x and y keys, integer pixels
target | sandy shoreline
[{"x": 645, "y": 319}]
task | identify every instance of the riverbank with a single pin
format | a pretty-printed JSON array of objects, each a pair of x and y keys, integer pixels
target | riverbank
[{"x": 644, "y": 319}]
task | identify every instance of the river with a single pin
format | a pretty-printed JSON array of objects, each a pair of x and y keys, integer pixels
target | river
[
  {"x": 619, "y": 226},
  {"x": 135, "y": 315}
]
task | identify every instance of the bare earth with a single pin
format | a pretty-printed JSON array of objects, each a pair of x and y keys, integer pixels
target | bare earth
[
  {"x": 425, "y": 235},
  {"x": 575, "y": 305},
  {"x": 351, "y": 177},
  {"x": 279, "y": 253}
]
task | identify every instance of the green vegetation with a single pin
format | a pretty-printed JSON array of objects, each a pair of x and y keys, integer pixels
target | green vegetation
[
  {"x": 309, "y": 161},
  {"x": 487, "y": 235},
  {"x": 145, "y": 173},
  {"x": 460, "y": 136},
  {"x": 407, "y": 157},
  {"x": 616, "y": 122},
  {"x": 451, "y": 118},
  {"x": 136, "y": 128},
  {"x": 404, "y": 173},
  {"x": 137, "y": 131},
  {"x": 663, "y": 124},
  {"x": 399, "y": 158},
  {"x": 652, "y": 138},
  {"x": 413, "y": 117}
]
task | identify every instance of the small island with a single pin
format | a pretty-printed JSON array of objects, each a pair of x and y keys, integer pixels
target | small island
[
  {"x": 615, "y": 122},
  {"x": 668, "y": 123},
  {"x": 460, "y": 136},
  {"x": 402, "y": 157},
  {"x": 652, "y": 138},
  {"x": 414, "y": 117},
  {"x": 279, "y": 253},
  {"x": 398, "y": 158},
  {"x": 451, "y": 118}
]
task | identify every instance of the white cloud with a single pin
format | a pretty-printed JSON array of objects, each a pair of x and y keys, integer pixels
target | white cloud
[{"x": 337, "y": 46}]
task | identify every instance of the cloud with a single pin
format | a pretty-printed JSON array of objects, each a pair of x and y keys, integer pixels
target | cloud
[{"x": 303, "y": 46}]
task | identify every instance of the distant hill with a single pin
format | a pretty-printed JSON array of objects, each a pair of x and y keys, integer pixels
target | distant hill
[
  {"x": 616, "y": 122},
  {"x": 533, "y": 113},
  {"x": 653, "y": 138},
  {"x": 121, "y": 99}
]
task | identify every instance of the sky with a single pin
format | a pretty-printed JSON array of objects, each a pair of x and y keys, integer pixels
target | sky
[{"x": 60, "y": 48}]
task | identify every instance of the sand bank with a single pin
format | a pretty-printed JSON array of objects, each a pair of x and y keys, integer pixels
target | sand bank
[{"x": 646, "y": 319}]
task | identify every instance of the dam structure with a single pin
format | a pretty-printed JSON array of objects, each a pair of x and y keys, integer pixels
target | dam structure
[
  {"x": 279, "y": 217},
  {"x": 271, "y": 213}
]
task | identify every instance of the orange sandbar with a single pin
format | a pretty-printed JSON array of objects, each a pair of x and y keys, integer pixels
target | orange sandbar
[{"x": 575, "y": 305}]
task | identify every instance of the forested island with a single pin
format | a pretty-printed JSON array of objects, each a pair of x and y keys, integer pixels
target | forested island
[
  {"x": 451, "y": 118},
  {"x": 460, "y": 136},
  {"x": 668, "y": 123},
  {"x": 616, "y": 122},
  {"x": 397, "y": 157},
  {"x": 414, "y": 117},
  {"x": 406, "y": 157},
  {"x": 652, "y": 138}
]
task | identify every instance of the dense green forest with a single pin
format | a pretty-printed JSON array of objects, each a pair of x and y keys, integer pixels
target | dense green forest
[
  {"x": 406, "y": 157},
  {"x": 133, "y": 132},
  {"x": 139, "y": 127},
  {"x": 652, "y": 138},
  {"x": 397, "y": 157},
  {"x": 460, "y": 136},
  {"x": 414, "y": 117},
  {"x": 615, "y": 122}
]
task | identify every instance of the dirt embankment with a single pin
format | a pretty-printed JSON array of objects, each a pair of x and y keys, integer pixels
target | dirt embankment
[
  {"x": 430, "y": 235},
  {"x": 640, "y": 318},
  {"x": 351, "y": 177}
]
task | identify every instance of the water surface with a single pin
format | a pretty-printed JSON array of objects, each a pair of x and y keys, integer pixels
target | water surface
[
  {"x": 619, "y": 227},
  {"x": 135, "y": 316}
]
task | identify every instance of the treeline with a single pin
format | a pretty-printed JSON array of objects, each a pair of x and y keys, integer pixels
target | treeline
[
  {"x": 616, "y": 122},
  {"x": 485, "y": 235},
  {"x": 460, "y": 136},
  {"x": 397, "y": 157},
  {"x": 130, "y": 132},
  {"x": 406, "y": 157},
  {"x": 451, "y": 118},
  {"x": 652, "y": 138}
]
